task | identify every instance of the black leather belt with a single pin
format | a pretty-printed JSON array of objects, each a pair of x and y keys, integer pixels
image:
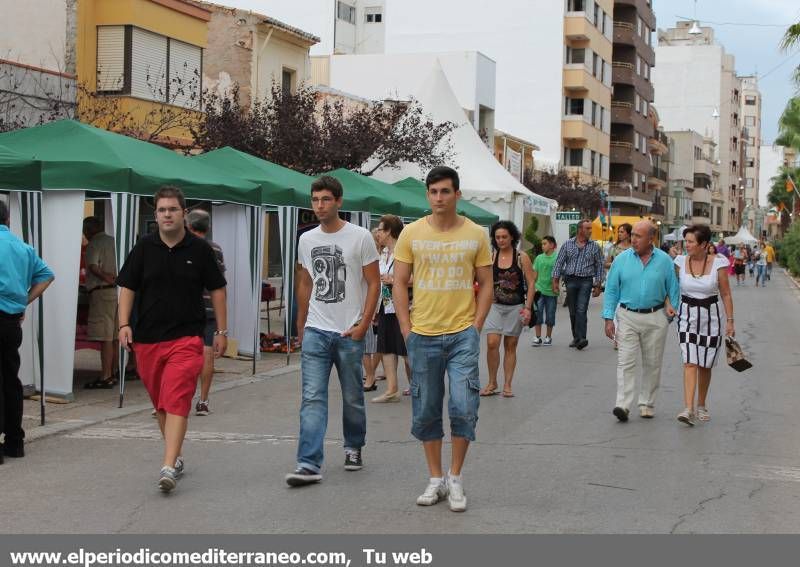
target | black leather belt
[
  {"x": 12, "y": 316},
  {"x": 102, "y": 287},
  {"x": 695, "y": 302},
  {"x": 646, "y": 310}
]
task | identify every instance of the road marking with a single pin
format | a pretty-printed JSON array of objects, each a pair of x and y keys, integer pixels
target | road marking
[
  {"x": 134, "y": 433},
  {"x": 766, "y": 472},
  {"x": 611, "y": 486}
]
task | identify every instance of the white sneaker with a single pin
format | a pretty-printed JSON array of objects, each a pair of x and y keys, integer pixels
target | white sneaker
[
  {"x": 435, "y": 492},
  {"x": 687, "y": 417},
  {"x": 536, "y": 341},
  {"x": 547, "y": 341},
  {"x": 456, "y": 498}
]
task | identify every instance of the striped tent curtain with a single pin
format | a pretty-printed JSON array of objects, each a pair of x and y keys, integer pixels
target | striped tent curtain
[
  {"x": 287, "y": 222},
  {"x": 30, "y": 206},
  {"x": 255, "y": 216},
  {"x": 125, "y": 213},
  {"x": 362, "y": 219}
]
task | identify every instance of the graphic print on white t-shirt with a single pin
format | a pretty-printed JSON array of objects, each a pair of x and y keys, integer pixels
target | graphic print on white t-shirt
[
  {"x": 335, "y": 263},
  {"x": 329, "y": 273}
]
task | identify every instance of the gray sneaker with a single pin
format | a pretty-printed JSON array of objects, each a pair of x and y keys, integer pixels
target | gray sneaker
[
  {"x": 456, "y": 498},
  {"x": 168, "y": 479},
  {"x": 179, "y": 467},
  {"x": 536, "y": 341},
  {"x": 434, "y": 492},
  {"x": 547, "y": 341}
]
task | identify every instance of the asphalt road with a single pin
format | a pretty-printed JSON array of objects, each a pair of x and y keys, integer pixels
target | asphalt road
[{"x": 552, "y": 459}]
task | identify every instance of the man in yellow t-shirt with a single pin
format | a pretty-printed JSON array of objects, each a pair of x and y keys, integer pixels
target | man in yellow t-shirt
[
  {"x": 446, "y": 254},
  {"x": 770, "y": 252}
]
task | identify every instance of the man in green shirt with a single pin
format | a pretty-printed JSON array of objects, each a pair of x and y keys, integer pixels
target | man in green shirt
[{"x": 548, "y": 299}]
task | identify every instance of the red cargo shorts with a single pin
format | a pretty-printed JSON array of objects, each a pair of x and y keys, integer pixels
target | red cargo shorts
[{"x": 169, "y": 372}]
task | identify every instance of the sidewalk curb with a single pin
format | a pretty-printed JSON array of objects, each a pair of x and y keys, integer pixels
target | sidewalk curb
[
  {"x": 791, "y": 278},
  {"x": 69, "y": 425}
]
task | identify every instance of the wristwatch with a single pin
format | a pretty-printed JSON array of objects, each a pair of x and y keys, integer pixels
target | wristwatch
[{"x": 221, "y": 332}]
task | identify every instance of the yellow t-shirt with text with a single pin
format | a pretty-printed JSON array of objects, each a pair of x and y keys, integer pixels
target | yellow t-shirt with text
[
  {"x": 770, "y": 253},
  {"x": 443, "y": 265}
]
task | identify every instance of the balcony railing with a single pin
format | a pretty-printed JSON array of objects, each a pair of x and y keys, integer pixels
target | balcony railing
[
  {"x": 622, "y": 65},
  {"x": 622, "y": 145},
  {"x": 624, "y": 25},
  {"x": 659, "y": 173}
]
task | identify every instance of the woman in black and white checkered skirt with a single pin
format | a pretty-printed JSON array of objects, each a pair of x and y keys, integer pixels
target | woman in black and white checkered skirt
[{"x": 704, "y": 280}]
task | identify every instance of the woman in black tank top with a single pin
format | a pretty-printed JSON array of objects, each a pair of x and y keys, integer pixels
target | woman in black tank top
[{"x": 511, "y": 310}]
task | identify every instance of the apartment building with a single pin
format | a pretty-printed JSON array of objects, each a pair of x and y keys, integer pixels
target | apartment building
[
  {"x": 586, "y": 80},
  {"x": 632, "y": 186},
  {"x": 147, "y": 55},
  {"x": 694, "y": 192},
  {"x": 658, "y": 147},
  {"x": 751, "y": 146},
  {"x": 696, "y": 88}
]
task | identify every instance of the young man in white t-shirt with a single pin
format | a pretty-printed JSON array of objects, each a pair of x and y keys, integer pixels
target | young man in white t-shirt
[{"x": 337, "y": 292}]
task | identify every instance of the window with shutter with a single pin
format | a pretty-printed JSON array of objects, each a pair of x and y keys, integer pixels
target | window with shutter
[
  {"x": 149, "y": 65},
  {"x": 110, "y": 59},
  {"x": 185, "y": 72}
]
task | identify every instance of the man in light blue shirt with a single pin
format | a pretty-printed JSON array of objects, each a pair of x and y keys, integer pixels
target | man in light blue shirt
[
  {"x": 643, "y": 284},
  {"x": 23, "y": 278}
]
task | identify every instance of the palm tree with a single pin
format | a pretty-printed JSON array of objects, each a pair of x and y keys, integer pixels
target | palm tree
[
  {"x": 790, "y": 39},
  {"x": 789, "y": 125}
]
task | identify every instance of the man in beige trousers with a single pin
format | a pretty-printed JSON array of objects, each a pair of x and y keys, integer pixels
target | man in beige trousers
[{"x": 643, "y": 285}]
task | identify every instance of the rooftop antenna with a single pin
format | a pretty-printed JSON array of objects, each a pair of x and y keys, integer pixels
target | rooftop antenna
[{"x": 695, "y": 29}]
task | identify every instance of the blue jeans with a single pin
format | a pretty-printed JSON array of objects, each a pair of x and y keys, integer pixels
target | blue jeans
[
  {"x": 579, "y": 290},
  {"x": 430, "y": 357},
  {"x": 761, "y": 272},
  {"x": 321, "y": 351},
  {"x": 546, "y": 310}
]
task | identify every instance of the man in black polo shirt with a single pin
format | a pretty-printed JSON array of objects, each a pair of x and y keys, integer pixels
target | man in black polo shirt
[{"x": 167, "y": 272}]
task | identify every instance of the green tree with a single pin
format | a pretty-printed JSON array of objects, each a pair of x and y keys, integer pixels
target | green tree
[
  {"x": 568, "y": 190},
  {"x": 533, "y": 238},
  {"x": 790, "y": 249},
  {"x": 790, "y": 39},
  {"x": 789, "y": 125},
  {"x": 778, "y": 193}
]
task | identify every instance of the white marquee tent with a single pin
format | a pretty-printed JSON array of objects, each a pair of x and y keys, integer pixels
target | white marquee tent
[
  {"x": 484, "y": 181},
  {"x": 744, "y": 236}
]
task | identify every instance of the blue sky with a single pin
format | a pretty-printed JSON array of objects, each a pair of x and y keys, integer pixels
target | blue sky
[{"x": 754, "y": 46}]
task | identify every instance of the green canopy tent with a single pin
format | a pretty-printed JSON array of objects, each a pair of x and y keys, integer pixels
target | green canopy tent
[
  {"x": 476, "y": 214},
  {"x": 73, "y": 157},
  {"x": 288, "y": 190},
  {"x": 18, "y": 170}
]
